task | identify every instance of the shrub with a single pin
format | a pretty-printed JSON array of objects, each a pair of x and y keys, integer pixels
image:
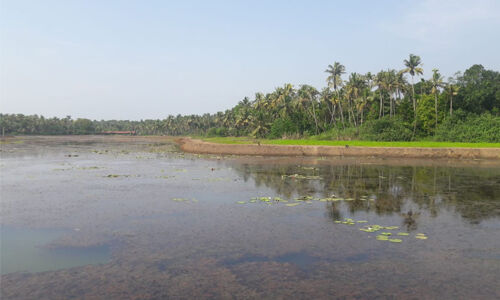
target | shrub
[
  {"x": 217, "y": 131},
  {"x": 386, "y": 129},
  {"x": 282, "y": 127},
  {"x": 469, "y": 128}
]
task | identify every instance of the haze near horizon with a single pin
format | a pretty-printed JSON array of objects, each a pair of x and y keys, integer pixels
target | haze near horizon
[{"x": 147, "y": 60}]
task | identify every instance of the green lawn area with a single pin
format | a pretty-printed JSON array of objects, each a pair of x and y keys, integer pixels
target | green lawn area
[{"x": 430, "y": 144}]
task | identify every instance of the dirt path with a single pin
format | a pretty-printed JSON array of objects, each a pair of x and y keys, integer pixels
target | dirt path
[{"x": 198, "y": 146}]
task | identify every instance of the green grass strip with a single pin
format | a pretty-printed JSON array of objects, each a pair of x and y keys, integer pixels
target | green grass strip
[{"x": 313, "y": 142}]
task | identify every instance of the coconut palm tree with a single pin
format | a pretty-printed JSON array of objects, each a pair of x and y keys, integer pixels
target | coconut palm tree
[
  {"x": 452, "y": 88},
  {"x": 355, "y": 88},
  {"x": 308, "y": 95},
  {"x": 412, "y": 67},
  {"x": 335, "y": 78},
  {"x": 379, "y": 81},
  {"x": 436, "y": 83},
  {"x": 335, "y": 81}
]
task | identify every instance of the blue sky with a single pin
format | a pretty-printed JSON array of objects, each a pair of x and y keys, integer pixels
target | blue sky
[{"x": 148, "y": 59}]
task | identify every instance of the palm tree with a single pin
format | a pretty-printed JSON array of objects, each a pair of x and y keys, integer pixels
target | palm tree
[
  {"x": 389, "y": 84},
  {"x": 412, "y": 67},
  {"x": 436, "y": 83},
  {"x": 452, "y": 89},
  {"x": 379, "y": 81},
  {"x": 327, "y": 98},
  {"x": 335, "y": 80},
  {"x": 355, "y": 88},
  {"x": 308, "y": 94}
]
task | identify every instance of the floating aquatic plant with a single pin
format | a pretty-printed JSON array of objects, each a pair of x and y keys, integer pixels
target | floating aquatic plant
[
  {"x": 298, "y": 176},
  {"x": 116, "y": 175},
  {"x": 391, "y": 227},
  {"x": 421, "y": 236}
]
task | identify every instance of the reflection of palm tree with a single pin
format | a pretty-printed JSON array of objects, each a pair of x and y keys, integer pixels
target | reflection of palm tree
[
  {"x": 333, "y": 212},
  {"x": 391, "y": 188},
  {"x": 410, "y": 220}
]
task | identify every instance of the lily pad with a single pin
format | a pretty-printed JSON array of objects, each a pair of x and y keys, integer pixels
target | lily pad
[
  {"x": 403, "y": 233},
  {"x": 395, "y": 240},
  {"x": 179, "y": 199},
  {"x": 292, "y": 204},
  {"x": 241, "y": 202}
]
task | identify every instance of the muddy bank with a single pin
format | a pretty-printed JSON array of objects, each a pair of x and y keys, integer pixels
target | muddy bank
[{"x": 198, "y": 146}]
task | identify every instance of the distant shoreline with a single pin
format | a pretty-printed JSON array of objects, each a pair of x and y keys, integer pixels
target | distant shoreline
[{"x": 202, "y": 147}]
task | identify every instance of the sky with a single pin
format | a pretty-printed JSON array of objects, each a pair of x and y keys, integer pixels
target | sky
[{"x": 150, "y": 59}]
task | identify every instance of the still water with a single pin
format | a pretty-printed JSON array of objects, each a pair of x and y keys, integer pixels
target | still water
[{"x": 124, "y": 217}]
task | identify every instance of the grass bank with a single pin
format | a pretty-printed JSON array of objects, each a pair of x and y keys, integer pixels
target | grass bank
[{"x": 314, "y": 142}]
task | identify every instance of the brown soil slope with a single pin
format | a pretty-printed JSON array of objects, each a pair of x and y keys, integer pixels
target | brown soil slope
[{"x": 198, "y": 146}]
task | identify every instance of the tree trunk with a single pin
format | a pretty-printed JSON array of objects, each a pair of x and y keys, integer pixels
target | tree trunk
[
  {"x": 341, "y": 114},
  {"x": 451, "y": 104},
  {"x": 314, "y": 116},
  {"x": 436, "y": 107},
  {"x": 352, "y": 113},
  {"x": 381, "y": 104},
  {"x": 414, "y": 108},
  {"x": 390, "y": 106}
]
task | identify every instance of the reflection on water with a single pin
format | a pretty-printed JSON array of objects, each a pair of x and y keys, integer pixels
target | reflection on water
[
  {"x": 473, "y": 193},
  {"x": 175, "y": 226},
  {"x": 26, "y": 250}
]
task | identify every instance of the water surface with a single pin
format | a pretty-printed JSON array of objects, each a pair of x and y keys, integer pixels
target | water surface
[{"x": 137, "y": 219}]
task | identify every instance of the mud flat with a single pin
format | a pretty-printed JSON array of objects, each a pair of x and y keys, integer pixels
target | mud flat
[{"x": 198, "y": 146}]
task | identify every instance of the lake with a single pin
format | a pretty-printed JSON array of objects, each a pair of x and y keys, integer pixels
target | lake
[{"x": 132, "y": 217}]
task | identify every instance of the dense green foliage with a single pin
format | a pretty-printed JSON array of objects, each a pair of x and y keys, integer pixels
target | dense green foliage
[
  {"x": 315, "y": 141},
  {"x": 470, "y": 128},
  {"x": 379, "y": 107}
]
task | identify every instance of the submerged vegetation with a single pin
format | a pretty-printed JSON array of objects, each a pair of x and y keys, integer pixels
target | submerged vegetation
[{"x": 391, "y": 105}]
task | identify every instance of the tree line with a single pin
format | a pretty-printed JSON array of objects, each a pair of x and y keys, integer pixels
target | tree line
[{"x": 388, "y": 105}]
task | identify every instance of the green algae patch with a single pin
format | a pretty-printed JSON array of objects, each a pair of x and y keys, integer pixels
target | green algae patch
[
  {"x": 292, "y": 204},
  {"x": 421, "y": 236},
  {"x": 391, "y": 227},
  {"x": 241, "y": 202},
  {"x": 116, "y": 176},
  {"x": 179, "y": 199},
  {"x": 184, "y": 200},
  {"x": 298, "y": 176}
]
